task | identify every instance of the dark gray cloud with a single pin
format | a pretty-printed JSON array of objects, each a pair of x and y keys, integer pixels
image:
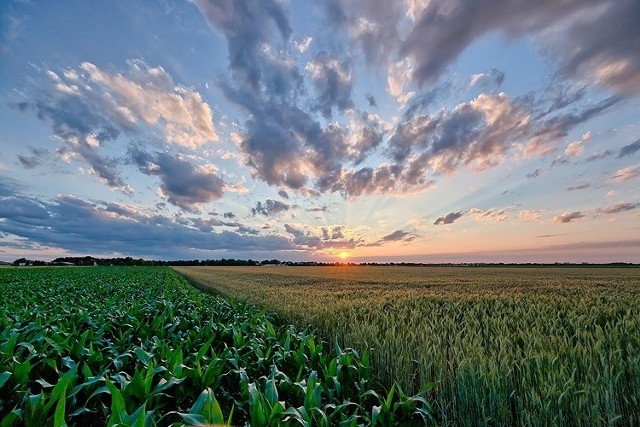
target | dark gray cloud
[
  {"x": 322, "y": 209},
  {"x": 95, "y": 227},
  {"x": 270, "y": 207},
  {"x": 38, "y": 155},
  {"x": 536, "y": 173},
  {"x": 599, "y": 33},
  {"x": 445, "y": 28},
  {"x": 579, "y": 187},
  {"x": 283, "y": 194},
  {"x": 598, "y": 156},
  {"x": 334, "y": 233},
  {"x": 567, "y": 217},
  {"x": 620, "y": 207},
  {"x": 398, "y": 235},
  {"x": 247, "y": 25},
  {"x": 603, "y": 40},
  {"x": 333, "y": 82},
  {"x": 229, "y": 215},
  {"x": 449, "y": 218},
  {"x": 371, "y": 100},
  {"x": 183, "y": 184},
  {"x": 627, "y": 150},
  {"x": 331, "y": 239}
]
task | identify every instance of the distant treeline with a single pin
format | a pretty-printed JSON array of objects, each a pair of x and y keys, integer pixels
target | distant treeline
[{"x": 129, "y": 261}]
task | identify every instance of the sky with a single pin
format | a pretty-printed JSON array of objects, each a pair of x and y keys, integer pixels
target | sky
[{"x": 335, "y": 130}]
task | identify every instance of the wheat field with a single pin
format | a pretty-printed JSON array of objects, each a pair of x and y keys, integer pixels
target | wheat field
[{"x": 502, "y": 345}]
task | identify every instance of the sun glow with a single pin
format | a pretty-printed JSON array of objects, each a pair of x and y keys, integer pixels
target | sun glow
[{"x": 343, "y": 255}]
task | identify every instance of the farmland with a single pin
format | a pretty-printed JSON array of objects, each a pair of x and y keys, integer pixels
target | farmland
[
  {"x": 139, "y": 346},
  {"x": 503, "y": 345}
]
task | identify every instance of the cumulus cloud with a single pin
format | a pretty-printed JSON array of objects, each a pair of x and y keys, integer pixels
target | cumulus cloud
[
  {"x": 270, "y": 207},
  {"x": 620, "y": 207},
  {"x": 567, "y": 217},
  {"x": 183, "y": 184},
  {"x": 91, "y": 226},
  {"x": 490, "y": 79},
  {"x": 529, "y": 215},
  {"x": 88, "y": 108},
  {"x": 449, "y": 218},
  {"x": 627, "y": 150},
  {"x": 323, "y": 239},
  {"x": 476, "y": 134},
  {"x": 626, "y": 174},
  {"x": 303, "y": 45},
  {"x": 333, "y": 81},
  {"x": 491, "y": 215}
]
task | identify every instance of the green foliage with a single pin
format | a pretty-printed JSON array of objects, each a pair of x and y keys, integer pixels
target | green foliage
[
  {"x": 138, "y": 346},
  {"x": 502, "y": 345}
]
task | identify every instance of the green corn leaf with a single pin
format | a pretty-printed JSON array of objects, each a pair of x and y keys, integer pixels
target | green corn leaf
[
  {"x": 4, "y": 377},
  {"x": 22, "y": 370},
  {"x": 271, "y": 392},
  {"x": 58, "y": 419},
  {"x": 143, "y": 356},
  {"x": 119, "y": 413}
]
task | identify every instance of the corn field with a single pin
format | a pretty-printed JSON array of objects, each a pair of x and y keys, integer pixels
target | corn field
[
  {"x": 139, "y": 346},
  {"x": 503, "y": 345}
]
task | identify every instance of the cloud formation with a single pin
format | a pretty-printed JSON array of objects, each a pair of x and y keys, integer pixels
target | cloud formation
[
  {"x": 183, "y": 184},
  {"x": 270, "y": 207},
  {"x": 94, "y": 227},
  {"x": 449, "y": 218},
  {"x": 620, "y": 207},
  {"x": 567, "y": 217},
  {"x": 626, "y": 174},
  {"x": 89, "y": 108},
  {"x": 628, "y": 150}
]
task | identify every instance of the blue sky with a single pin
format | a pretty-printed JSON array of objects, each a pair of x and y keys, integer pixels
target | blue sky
[{"x": 342, "y": 129}]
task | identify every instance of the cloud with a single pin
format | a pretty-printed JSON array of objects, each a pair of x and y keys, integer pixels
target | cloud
[
  {"x": 620, "y": 207},
  {"x": 476, "y": 134},
  {"x": 249, "y": 27},
  {"x": 334, "y": 233},
  {"x": 490, "y": 79},
  {"x": 579, "y": 187},
  {"x": 598, "y": 156},
  {"x": 398, "y": 235},
  {"x": 529, "y": 215},
  {"x": 489, "y": 214},
  {"x": 303, "y": 45},
  {"x": 371, "y": 100},
  {"x": 270, "y": 208},
  {"x": 35, "y": 159},
  {"x": 567, "y": 217},
  {"x": 626, "y": 174},
  {"x": 329, "y": 240},
  {"x": 183, "y": 184},
  {"x": 332, "y": 79},
  {"x": 89, "y": 108},
  {"x": 449, "y": 218},
  {"x": 627, "y": 150},
  {"x": 589, "y": 41},
  {"x": 536, "y": 173},
  {"x": 283, "y": 194},
  {"x": 91, "y": 226}
]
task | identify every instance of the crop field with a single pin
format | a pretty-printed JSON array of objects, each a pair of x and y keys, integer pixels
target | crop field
[
  {"x": 139, "y": 346},
  {"x": 503, "y": 345}
]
